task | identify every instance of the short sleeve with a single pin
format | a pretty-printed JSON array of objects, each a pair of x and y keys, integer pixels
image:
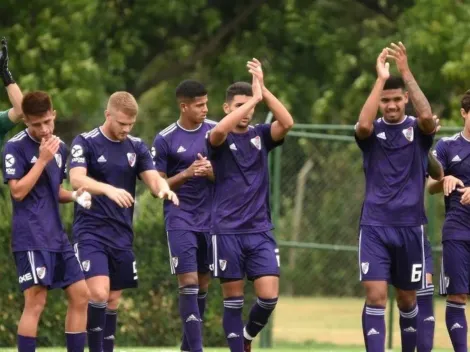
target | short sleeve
[
  {"x": 265, "y": 131},
  {"x": 144, "y": 158},
  {"x": 440, "y": 153},
  {"x": 160, "y": 154},
  {"x": 212, "y": 151},
  {"x": 426, "y": 140},
  {"x": 14, "y": 164},
  {"x": 5, "y": 123},
  {"x": 79, "y": 153},
  {"x": 364, "y": 143}
]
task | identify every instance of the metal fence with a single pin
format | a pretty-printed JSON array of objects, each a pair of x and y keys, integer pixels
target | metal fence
[{"x": 317, "y": 189}]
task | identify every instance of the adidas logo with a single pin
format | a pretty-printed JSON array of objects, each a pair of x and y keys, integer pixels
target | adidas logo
[
  {"x": 233, "y": 146},
  {"x": 232, "y": 335},
  {"x": 102, "y": 159},
  {"x": 96, "y": 329},
  {"x": 456, "y": 326},
  {"x": 410, "y": 329},
  {"x": 431, "y": 318},
  {"x": 181, "y": 149},
  {"x": 110, "y": 337},
  {"x": 34, "y": 159},
  {"x": 372, "y": 332},
  {"x": 382, "y": 135},
  {"x": 456, "y": 158},
  {"x": 192, "y": 318}
]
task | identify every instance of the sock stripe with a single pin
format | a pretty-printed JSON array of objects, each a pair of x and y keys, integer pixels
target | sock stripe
[
  {"x": 98, "y": 304},
  {"x": 409, "y": 315},
  {"x": 111, "y": 311},
  {"x": 426, "y": 291},
  {"x": 201, "y": 295},
  {"x": 455, "y": 305},
  {"x": 269, "y": 305}
]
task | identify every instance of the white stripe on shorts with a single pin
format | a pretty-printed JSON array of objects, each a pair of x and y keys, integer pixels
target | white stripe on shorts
[
  {"x": 214, "y": 251},
  {"x": 172, "y": 267},
  {"x": 423, "y": 276},
  {"x": 359, "y": 255},
  {"x": 33, "y": 267}
]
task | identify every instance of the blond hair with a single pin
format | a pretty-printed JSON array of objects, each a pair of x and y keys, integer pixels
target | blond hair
[{"x": 124, "y": 102}]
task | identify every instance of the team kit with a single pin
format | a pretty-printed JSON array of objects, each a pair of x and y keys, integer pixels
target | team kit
[{"x": 213, "y": 178}]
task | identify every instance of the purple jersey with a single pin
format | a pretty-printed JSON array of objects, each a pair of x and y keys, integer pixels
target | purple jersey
[
  {"x": 395, "y": 163},
  {"x": 454, "y": 155},
  {"x": 174, "y": 150},
  {"x": 241, "y": 196},
  {"x": 117, "y": 164},
  {"x": 36, "y": 223}
]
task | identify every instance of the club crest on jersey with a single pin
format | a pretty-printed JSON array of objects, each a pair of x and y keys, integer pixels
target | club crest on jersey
[
  {"x": 174, "y": 260},
  {"x": 41, "y": 272},
  {"x": 256, "y": 142},
  {"x": 58, "y": 160},
  {"x": 86, "y": 265},
  {"x": 409, "y": 133},
  {"x": 222, "y": 264},
  {"x": 365, "y": 267},
  {"x": 131, "y": 157}
]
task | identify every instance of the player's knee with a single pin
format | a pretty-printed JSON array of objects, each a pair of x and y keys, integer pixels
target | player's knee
[
  {"x": 188, "y": 279},
  {"x": 406, "y": 300},
  {"x": 460, "y": 298},
  {"x": 79, "y": 296},
  {"x": 99, "y": 294},
  {"x": 376, "y": 296},
  {"x": 35, "y": 304},
  {"x": 204, "y": 281}
]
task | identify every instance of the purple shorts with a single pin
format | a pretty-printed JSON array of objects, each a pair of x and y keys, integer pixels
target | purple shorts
[
  {"x": 98, "y": 259},
  {"x": 49, "y": 269},
  {"x": 455, "y": 271},
  {"x": 393, "y": 254},
  {"x": 253, "y": 255},
  {"x": 189, "y": 251}
]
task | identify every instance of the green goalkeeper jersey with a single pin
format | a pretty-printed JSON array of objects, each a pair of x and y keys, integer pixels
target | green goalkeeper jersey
[{"x": 5, "y": 125}]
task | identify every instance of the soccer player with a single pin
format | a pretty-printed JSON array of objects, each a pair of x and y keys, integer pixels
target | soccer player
[
  {"x": 34, "y": 168},
  {"x": 243, "y": 243},
  {"x": 391, "y": 239},
  {"x": 180, "y": 156},
  {"x": 9, "y": 118},
  {"x": 107, "y": 161},
  {"x": 453, "y": 153}
]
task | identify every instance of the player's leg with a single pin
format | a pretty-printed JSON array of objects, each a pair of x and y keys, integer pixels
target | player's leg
[
  {"x": 34, "y": 275},
  {"x": 374, "y": 273},
  {"x": 229, "y": 267},
  {"x": 263, "y": 267},
  {"x": 455, "y": 283},
  {"x": 408, "y": 276},
  {"x": 183, "y": 246},
  {"x": 122, "y": 275},
  {"x": 426, "y": 321},
  {"x": 94, "y": 259}
]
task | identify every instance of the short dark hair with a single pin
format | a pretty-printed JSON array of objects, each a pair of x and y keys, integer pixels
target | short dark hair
[
  {"x": 238, "y": 88},
  {"x": 394, "y": 82},
  {"x": 36, "y": 103},
  {"x": 465, "y": 102},
  {"x": 190, "y": 89}
]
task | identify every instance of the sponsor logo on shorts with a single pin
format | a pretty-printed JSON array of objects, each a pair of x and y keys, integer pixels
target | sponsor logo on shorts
[
  {"x": 365, "y": 267},
  {"x": 86, "y": 265},
  {"x": 222, "y": 264},
  {"x": 25, "y": 278},
  {"x": 41, "y": 272},
  {"x": 174, "y": 260}
]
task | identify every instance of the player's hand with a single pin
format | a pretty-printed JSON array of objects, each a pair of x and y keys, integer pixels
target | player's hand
[
  {"x": 256, "y": 87},
  {"x": 398, "y": 53},
  {"x": 48, "y": 148},
  {"x": 450, "y": 184},
  {"x": 120, "y": 196},
  {"x": 436, "y": 123},
  {"x": 194, "y": 169},
  {"x": 254, "y": 67},
  {"x": 382, "y": 66},
  {"x": 205, "y": 169},
  {"x": 5, "y": 73},
  {"x": 82, "y": 197},
  {"x": 170, "y": 195},
  {"x": 465, "y": 199}
]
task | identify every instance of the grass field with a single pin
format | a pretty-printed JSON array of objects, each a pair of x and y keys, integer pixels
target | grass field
[{"x": 317, "y": 325}]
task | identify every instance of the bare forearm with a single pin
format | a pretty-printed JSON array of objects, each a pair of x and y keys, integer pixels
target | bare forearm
[
  {"x": 92, "y": 186},
  {"x": 22, "y": 188},
  {"x": 278, "y": 109},
  {"x": 419, "y": 100},
  {"x": 435, "y": 186},
  {"x": 369, "y": 110},
  {"x": 178, "y": 180},
  {"x": 435, "y": 168},
  {"x": 16, "y": 96},
  {"x": 65, "y": 196}
]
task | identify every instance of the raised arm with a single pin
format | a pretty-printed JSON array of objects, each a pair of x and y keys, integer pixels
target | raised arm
[
  {"x": 365, "y": 124},
  {"x": 421, "y": 104},
  {"x": 219, "y": 133},
  {"x": 14, "y": 92},
  {"x": 284, "y": 120}
]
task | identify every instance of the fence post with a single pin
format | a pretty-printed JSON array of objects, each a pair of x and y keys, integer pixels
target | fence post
[{"x": 266, "y": 336}]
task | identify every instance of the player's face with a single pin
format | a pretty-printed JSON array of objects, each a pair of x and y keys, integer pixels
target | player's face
[
  {"x": 195, "y": 110},
  {"x": 392, "y": 104},
  {"x": 40, "y": 127},
  {"x": 239, "y": 100},
  {"x": 120, "y": 124}
]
